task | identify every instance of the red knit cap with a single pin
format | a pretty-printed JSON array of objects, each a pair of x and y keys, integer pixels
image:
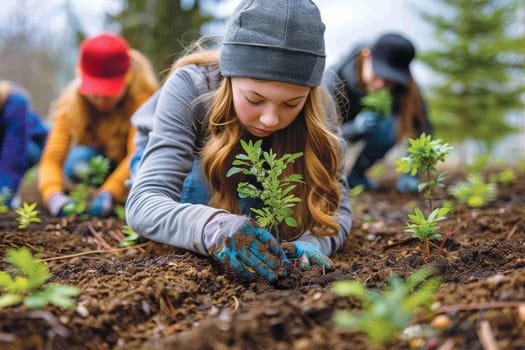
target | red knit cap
[{"x": 104, "y": 62}]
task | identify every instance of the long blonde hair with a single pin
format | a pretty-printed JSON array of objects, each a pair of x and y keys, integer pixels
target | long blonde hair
[
  {"x": 142, "y": 83},
  {"x": 312, "y": 133},
  {"x": 309, "y": 133}
]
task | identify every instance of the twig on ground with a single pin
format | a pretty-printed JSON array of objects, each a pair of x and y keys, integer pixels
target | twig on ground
[
  {"x": 445, "y": 238},
  {"x": 479, "y": 306},
  {"x": 98, "y": 251},
  {"x": 511, "y": 232},
  {"x": 99, "y": 237},
  {"x": 236, "y": 302},
  {"x": 447, "y": 345},
  {"x": 486, "y": 336}
]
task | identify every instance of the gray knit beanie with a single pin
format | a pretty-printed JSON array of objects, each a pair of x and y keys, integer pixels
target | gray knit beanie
[{"x": 279, "y": 40}]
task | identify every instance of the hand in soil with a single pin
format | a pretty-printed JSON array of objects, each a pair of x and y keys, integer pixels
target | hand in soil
[
  {"x": 251, "y": 251},
  {"x": 307, "y": 253}
]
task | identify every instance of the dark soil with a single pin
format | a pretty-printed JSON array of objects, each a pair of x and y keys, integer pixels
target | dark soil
[{"x": 154, "y": 296}]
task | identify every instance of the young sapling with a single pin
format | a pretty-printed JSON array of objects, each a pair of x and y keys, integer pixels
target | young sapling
[
  {"x": 386, "y": 313},
  {"x": 93, "y": 175},
  {"x": 25, "y": 282},
  {"x": 379, "y": 101},
  {"x": 424, "y": 154},
  {"x": 275, "y": 192},
  {"x": 426, "y": 228},
  {"x": 131, "y": 237},
  {"x": 474, "y": 192},
  {"x": 27, "y": 214}
]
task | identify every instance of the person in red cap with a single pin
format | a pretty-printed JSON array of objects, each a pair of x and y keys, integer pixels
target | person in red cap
[
  {"x": 385, "y": 63},
  {"x": 92, "y": 117}
]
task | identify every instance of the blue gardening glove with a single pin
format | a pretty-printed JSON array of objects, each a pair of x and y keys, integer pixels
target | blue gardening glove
[
  {"x": 407, "y": 183},
  {"x": 246, "y": 249},
  {"x": 59, "y": 203},
  {"x": 307, "y": 253},
  {"x": 102, "y": 205},
  {"x": 363, "y": 123}
]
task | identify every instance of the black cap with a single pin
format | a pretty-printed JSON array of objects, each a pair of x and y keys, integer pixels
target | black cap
[{"x": 391, "y": 57}]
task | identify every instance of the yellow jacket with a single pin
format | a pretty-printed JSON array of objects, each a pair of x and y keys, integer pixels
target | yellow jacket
[{"x": 76, "y": 122}]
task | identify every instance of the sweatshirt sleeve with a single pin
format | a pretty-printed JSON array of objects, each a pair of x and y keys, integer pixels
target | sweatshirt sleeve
[
  {"x": 13, "y": 161},
  {"x": 152, "y": 208},
  {"x": 50, "y": 174}
]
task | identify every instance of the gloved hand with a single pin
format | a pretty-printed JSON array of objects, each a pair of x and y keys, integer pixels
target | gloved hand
[
  {"x": 407, "y": 183},
  {"x": 307, "y": 253},
  {"x": 60, "y": 204},
  {"x": 102, "y": 204},
  {"x": 363, "y": 123},
  {"x": 246, "y": 249}
]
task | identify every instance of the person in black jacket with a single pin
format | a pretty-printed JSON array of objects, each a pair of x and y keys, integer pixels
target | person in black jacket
[{"x": 366, "y": 69}]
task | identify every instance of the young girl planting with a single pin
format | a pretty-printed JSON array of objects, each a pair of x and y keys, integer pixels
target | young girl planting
[
  {"x": 368, "y": 69},
  {"x": 262, "y": 84},
  {"x": 92, "y": 117}
]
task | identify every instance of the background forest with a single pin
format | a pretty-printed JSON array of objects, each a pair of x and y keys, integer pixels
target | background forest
[{"x": 476, "y": 63}]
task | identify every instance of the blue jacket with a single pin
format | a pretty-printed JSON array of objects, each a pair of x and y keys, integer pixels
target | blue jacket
[{"x": 19, "y": 126}]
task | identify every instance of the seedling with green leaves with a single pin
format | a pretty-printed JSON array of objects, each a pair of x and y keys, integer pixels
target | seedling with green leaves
[
  {"x": 25, "y": 282},
  {"x": 474, "y": 192},
  {"x": 424, "y": 154},
  {"x": 275, "y": 192},
  {"x": 27, "y": 214},
  {"x": 426, "y": 228},
  {"x": 5, "y": 195},
  {"x": 386, "y": 313},
  {"x": 92, "y": 175},
  {"x": 132, "y": 237},
  {"x": 505, "y": 177},
  {"x": 379, "y": 101}
]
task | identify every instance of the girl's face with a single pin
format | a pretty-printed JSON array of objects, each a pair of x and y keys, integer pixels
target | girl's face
[
  {"x": 104, "y": 104},
  {"x": 372, "y": 82},
  {"x": 264, "y": 107}
]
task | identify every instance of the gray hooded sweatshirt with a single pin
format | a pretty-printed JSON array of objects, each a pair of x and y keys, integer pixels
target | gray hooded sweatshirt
[{"x": 174, "y": 131}]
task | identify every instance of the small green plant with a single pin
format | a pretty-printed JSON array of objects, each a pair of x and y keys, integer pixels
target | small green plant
[
  {"x": 120, "y": 212},
  {"x": 93, "y": 175},
  {"x": 356, "y": 190},
  {"x": 132, "y": 237},
  {"x": 474, "y": 192},
  {"x": 27, "y": 214},
  {"x": 386, "y": 313},
  {"x": 426, "y": 228},
  {"x": 98, "y": 170},
  {"x": 505, "y": 177},
  {"x": 424, "y": 154},
  {"x": 5, "y": 195},
  {"x": 276, "y": 192},
  {"x": 379, "y": 101},
  {"x": 25, "y": 283},
  {"x": 478, "y": 164}
]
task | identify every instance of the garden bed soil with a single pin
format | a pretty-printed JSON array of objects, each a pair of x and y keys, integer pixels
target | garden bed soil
[{"x": 153, "y": 296}]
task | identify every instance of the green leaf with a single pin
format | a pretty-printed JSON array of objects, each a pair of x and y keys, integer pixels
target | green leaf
[
  {"x": 233, "y": 171},
  {"x": 290, "y": 221},
  {"x": 350, "y": 288},
  {"x": 10, "y": 299}
]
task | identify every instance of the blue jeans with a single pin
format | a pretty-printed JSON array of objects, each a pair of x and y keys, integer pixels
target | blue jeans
[
  {"x": 377, "y": 143},
  {"x": 195, "y": 188}
]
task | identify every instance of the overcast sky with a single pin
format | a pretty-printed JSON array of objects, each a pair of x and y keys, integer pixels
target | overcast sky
[{"x": 347, "y": 21}]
